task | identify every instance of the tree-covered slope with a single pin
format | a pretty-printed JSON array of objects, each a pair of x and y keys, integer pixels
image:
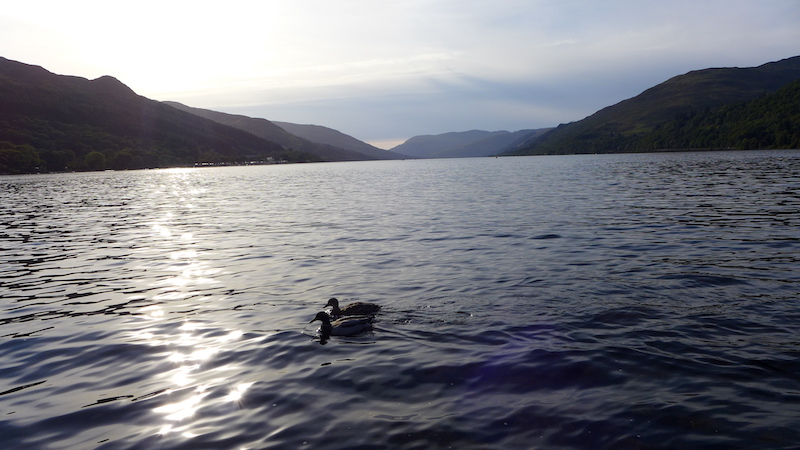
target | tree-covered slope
[
  {"x": 52, "y": 122},
  {"x": 768, "y": 122},
  {"x": 326, "y": 151},
  {"x": 615, "y": 128}
]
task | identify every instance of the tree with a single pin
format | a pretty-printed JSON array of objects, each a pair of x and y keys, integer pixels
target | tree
[
  {"x": 19, "y": 159},
  {"x": 58, "y": 160},
  {"x": 123, "y": 160},
  {"x": 95, "y": 161}
]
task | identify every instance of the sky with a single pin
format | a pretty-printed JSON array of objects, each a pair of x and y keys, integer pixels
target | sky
[{"x": 384, "y": 71}]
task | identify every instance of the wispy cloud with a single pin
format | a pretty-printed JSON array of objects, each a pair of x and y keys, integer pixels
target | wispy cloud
[{"x": 558, "y": 43}]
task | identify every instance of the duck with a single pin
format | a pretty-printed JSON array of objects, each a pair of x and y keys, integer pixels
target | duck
[
  {"x": 343, "y": 327},
  {"x": 353, "y": 309}
]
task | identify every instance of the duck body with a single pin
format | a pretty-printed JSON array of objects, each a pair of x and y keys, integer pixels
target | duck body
[
  {"x": 353, "y": 309},
  {"x": 347, "y": 326}
]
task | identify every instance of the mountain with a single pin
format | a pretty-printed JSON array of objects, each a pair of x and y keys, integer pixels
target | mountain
[
  {"x": 492, "y": 145},
  {"x": 463, "y": 144},
  {"x": 612, "y": 129},
  {"x": 57, "y": 122},
  {"x": 325, "y": 135},
  {"x": 771, "y": 121},
  {"x": 326, "y": 151}
]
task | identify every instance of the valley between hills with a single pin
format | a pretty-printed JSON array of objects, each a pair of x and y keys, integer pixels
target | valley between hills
[{"x": 56, "y": 123}]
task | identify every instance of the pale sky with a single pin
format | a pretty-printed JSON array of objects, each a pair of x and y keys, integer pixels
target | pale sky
[{"x": 384, "y": 71}]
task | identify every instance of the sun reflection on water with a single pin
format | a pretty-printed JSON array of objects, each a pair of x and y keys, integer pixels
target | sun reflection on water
[
  {"x": 181, "y": 288},
  {"x": 189, "y": 348},
  {"x": 162, "y": 231},
  {"x": 237, "y": 392},
  {"x": 183, "y": 409}
]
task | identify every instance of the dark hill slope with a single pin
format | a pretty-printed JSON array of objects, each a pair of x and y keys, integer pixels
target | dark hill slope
[
  {"x": 768, "y": 122},
  {"x": 465, "y": 144},
  {"x": 52, "y": 122},
  {"x": 609, "y": 129},
  {"x": 428, "y": 146},
  {"x": 494, "y": 144},
  {"x": 325, "y": 135},
  {"x": 270, "y": 131}
]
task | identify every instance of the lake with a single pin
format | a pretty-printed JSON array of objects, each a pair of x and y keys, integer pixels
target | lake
[{"x": 647, "y": 301}]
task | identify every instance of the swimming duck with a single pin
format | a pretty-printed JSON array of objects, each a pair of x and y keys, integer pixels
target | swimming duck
[
  {"x": 343, "y": 327},
  {"x": 353, "y": 309}
]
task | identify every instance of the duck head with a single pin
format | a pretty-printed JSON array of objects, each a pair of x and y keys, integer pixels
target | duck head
[
  {"x": 334, "y": 302},
  {"x": 322, "y": 317}
]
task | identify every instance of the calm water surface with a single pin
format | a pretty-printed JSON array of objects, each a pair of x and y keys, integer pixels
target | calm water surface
[{"x": 603, "y": 301}]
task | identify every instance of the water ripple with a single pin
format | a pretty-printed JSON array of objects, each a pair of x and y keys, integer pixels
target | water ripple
[{"x": 597, "y": 301}]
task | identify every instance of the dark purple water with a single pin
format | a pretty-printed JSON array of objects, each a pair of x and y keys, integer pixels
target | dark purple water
[{"x": 602, "y": 302}]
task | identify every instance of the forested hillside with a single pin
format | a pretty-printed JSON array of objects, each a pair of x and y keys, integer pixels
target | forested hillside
[
  {"x": 272, "y": 131},
  {"x": 769, "y": 122},
  {"x": 52, "y": 122},
  {"x": 655, "y": 119}
]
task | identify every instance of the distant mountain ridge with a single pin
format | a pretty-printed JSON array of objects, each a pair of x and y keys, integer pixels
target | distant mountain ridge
[
  {"x": 52, "y": 122},
  {"x": 610, "y": 129},
  {"x": 266, "y": 129},
  {"x": 465, "y": 144},
  {"x": 325, "y": 135}
]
